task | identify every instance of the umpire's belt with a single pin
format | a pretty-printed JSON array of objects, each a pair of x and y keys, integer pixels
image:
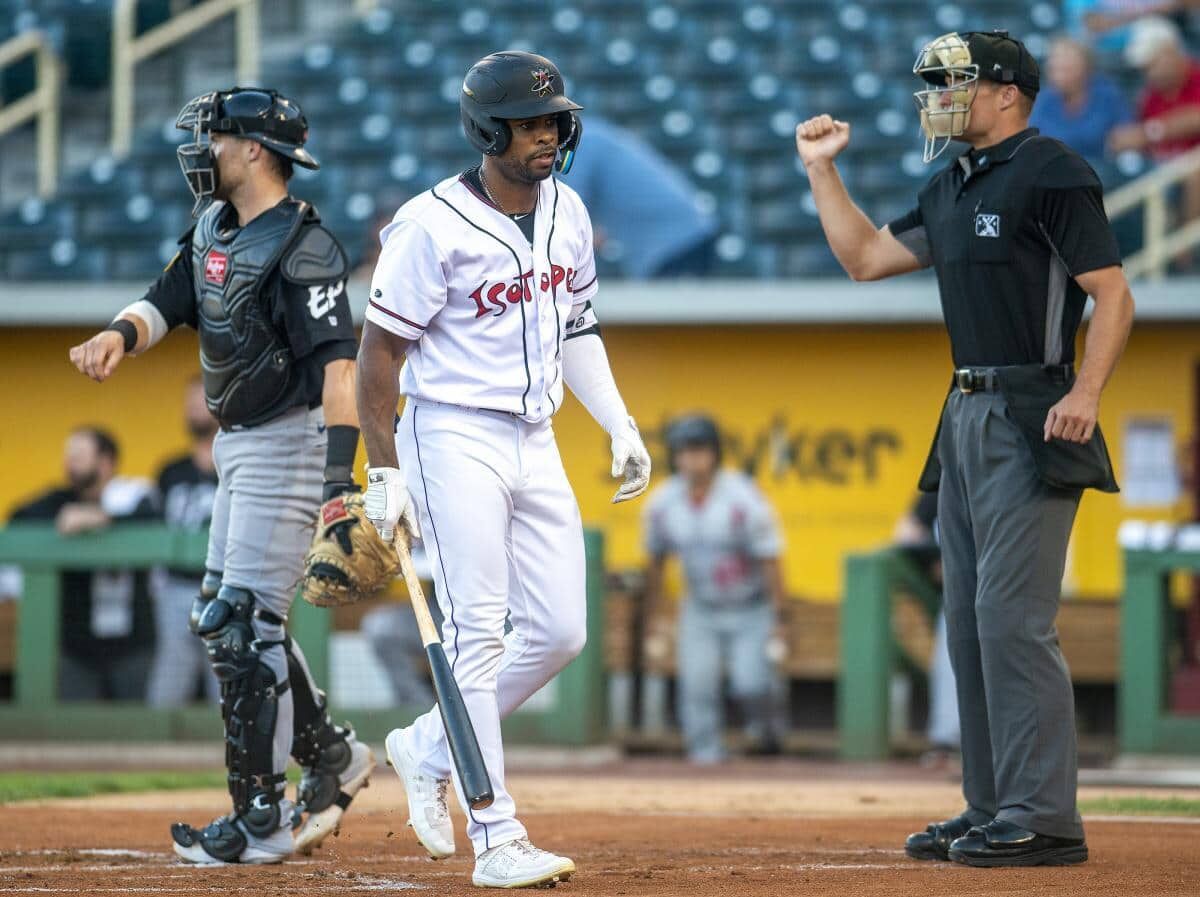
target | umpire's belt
[{"x": 988, "y": 379}]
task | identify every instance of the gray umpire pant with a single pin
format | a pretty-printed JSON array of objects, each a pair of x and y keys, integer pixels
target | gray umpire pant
[
  {"x": 1004, "y": 543},
  {"x": 264, "y": 516}
]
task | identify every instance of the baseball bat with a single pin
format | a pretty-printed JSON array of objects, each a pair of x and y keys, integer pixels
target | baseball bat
[{"x": 464, "y": 747}]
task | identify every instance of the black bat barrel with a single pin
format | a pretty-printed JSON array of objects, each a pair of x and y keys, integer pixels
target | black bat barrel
[{"x": 464, "y": 747}]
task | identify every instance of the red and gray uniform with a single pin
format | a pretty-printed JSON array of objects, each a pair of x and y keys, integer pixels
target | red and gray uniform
[{"x": 726, "y": 618}]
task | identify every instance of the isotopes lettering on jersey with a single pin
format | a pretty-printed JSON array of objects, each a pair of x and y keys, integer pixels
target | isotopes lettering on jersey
[
  {"x": 215, "y": 266},
  {"x": 494, "y": 298}
]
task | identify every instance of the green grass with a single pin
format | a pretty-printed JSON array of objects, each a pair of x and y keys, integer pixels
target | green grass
[
  {"x": 1140, "y": 805},
  {"x": 17, "y": 786}
]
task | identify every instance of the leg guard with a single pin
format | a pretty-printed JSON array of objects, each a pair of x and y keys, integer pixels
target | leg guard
[
  {"x": 249, "y": 706},
  {"x": 320, "y": 747},
  {"x": 209, "y": 587}
]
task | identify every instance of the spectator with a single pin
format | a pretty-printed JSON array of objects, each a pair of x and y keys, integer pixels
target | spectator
[
  {"x": 644, "y": 212},
  {"x": 188, "y": 485},
  {"x": 106, "y": 643},
  {"x": 1078, "y": 106},
  {"x": 726, "y": 536},
  {"x": 1169, "y": 108},
  {"x": 916, "y": 533},
  {"x": 1105, "y": 24}
]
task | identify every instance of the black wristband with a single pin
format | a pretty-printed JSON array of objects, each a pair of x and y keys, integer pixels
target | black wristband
[
  {"x": 127, "y": 330},
  {"x": 339, "y": 454}
]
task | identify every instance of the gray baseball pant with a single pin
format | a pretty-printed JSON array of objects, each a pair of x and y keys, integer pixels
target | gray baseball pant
[{"x": 1004, "y": 539}]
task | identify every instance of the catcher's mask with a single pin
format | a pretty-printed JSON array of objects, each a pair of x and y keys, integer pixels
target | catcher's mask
[
  {"x": 256, "y": 114},
  {"x": 945, "y": 63},
  {"x": 513, "y": 85},
  {"x": 953, "y": 65}
]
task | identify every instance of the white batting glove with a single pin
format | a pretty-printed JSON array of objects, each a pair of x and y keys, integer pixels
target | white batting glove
[
  {"x": 387, "y": 503},
  {"x": 630, "y": 460}
]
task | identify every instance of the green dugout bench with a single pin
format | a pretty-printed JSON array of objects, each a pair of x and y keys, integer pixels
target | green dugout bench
[{"x": 572, "y": 712}]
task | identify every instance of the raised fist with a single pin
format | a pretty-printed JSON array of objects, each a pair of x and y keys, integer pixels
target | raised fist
[{"x": 821, "y": 138}]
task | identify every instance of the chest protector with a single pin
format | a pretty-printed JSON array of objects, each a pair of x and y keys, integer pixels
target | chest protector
[{"x": 246, "y": 364}]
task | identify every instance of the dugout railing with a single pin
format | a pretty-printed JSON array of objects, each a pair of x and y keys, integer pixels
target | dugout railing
[
  {"x": 570, "y": 711},
  {"x": 872, "y": 648},
  {"x": 1147, "y": 725}
]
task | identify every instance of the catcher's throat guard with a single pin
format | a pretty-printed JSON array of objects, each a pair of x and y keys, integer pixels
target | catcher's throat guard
[{"x": 945, "y": 64}]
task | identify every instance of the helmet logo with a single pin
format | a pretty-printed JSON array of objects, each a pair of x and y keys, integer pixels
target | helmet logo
[{"x": 543, "y": 82}]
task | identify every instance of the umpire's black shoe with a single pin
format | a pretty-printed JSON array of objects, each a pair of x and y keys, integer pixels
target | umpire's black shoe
[
  {"x": 1002, "y": 843},
  {"x": 934, "y": 842}
]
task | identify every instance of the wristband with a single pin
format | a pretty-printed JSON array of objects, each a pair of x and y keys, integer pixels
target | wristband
[
  {"x": 128, "y": 331},
  {"x": 339, "y": 453}
]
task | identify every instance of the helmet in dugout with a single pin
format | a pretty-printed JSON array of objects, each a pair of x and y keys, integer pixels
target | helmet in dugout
[
  {"x": 693, "y": 431},
  {"x": 515, "y": 85}
]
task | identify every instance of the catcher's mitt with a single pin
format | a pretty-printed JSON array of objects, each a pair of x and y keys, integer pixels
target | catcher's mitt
[{"x": 348, "y": 559}]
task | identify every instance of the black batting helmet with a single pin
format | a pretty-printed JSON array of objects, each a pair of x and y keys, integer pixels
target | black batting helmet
[
  {"x": 691, "y": 431},
  {"x": 257, "y": 114},
  {"x": 510, "y": 85}
]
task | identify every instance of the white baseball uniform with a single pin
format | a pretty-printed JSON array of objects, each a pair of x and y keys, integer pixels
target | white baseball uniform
[{"x": 492, "y": 317}]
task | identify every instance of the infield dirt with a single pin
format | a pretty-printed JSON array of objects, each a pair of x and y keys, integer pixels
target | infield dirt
[{"x": 645, "y": 828}]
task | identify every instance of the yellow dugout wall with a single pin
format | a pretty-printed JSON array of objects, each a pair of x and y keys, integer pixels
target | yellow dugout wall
[{"x": 835, "y": 421}]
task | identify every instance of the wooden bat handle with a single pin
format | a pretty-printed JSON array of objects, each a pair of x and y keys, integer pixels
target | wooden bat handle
[{"x": 429, "y": 633}]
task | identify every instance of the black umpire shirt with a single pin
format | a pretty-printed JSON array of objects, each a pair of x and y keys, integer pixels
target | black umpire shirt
[
  {"x": 1008, "y": 229},
  {"x": 314, "y": 339}
]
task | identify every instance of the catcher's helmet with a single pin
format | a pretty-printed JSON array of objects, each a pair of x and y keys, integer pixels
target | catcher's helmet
[
  {"x": 256, "y": 114},
  {"x": 691, "y": 431},
  {"x": 510, "y": 85}
]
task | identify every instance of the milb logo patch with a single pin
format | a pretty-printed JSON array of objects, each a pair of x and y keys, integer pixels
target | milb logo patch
[{"x": 987, "y": 225}]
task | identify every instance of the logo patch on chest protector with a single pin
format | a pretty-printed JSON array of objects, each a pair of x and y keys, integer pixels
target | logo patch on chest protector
[
  {"x": 215, "y": 267},
  {"x": 987, "y": 225}
]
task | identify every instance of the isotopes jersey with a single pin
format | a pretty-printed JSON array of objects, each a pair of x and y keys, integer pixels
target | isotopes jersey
[{"x": 487, "y": 310}]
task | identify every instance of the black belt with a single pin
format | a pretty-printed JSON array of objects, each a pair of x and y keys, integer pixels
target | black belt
[{"x": 988, "y": 379}]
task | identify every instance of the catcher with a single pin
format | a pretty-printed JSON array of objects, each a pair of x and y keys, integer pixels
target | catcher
[{"x": 264, "y": 284}]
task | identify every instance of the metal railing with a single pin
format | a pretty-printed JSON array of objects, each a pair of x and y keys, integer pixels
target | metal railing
[
  {"x": 130, "y": 48},
  {"x": 1161, "y": 242},
  {"x": 42, "y": 103}
]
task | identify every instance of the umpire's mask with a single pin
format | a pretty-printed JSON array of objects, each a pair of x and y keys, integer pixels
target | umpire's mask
[{"x": 946, "y": 64}]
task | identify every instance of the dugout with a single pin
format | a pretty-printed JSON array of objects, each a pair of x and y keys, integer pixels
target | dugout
[{"x": 827, "y": 391}]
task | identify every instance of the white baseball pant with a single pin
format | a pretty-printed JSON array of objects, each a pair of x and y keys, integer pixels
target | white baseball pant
[{"x": 505, "y": 540}]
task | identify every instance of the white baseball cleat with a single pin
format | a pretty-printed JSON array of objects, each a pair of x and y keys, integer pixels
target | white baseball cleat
[
  {"x": 428, "y": 812},
  {"x": 518, "y": 864},
  {"x": 319, "y": 825}
]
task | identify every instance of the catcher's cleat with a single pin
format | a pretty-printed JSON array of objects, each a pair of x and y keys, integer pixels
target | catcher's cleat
[
  {"x": 518, "y": 864},
  {"x": 325, "y": 796},
  {"x": 225, "y": 840},
  {"x": 428, "y": 811}
]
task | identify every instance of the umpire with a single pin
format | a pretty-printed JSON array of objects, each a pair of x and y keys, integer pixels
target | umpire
[
  {"x": 1015, "y": 230},
  {"x": 264, "y": 284}
]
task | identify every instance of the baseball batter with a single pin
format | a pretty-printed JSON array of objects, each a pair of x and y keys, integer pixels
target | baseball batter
[
  {"x": 264, "y": 285},
  {"x": 485, "y": 286}
]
